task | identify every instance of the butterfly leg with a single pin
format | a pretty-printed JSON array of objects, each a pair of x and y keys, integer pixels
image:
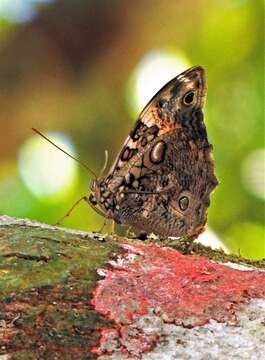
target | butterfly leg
[
  {"x": 104, "y": 224},
  {"x": 112, "y": 227},
  {"x": 71, "y": 209},
  {"x": 129, "y": 232}
]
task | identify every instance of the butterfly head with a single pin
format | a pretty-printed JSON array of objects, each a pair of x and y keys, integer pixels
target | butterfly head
[
  {"x": 94, "y": 199},
  {"x": 102, "y": 197},
  {"x": 98, "y": 199},
  {"x": 93, "y": 192}
]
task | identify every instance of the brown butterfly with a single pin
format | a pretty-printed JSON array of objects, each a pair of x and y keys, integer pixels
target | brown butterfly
[{"x": 163, "y": 176}]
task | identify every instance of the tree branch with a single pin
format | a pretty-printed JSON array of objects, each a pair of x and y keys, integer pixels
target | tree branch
[{"x": 67, "y": 294}]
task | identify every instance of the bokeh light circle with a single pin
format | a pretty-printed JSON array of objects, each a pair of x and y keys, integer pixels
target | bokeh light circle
[
  {"x": 253, "y": 173},
  {"x": 153, "y": 71},
  {"x": 19, "y": 11},
  {"x": 48, "y": 173}
]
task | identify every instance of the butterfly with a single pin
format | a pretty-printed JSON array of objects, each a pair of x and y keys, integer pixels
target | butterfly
[{"x": 162, "y": 178}]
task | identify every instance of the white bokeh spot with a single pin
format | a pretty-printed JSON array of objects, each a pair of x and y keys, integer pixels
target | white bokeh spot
[
  {"x": 153, "y": 71},
  {"x": 253, "y": 173},
  {"x": 46, "y": 171}
]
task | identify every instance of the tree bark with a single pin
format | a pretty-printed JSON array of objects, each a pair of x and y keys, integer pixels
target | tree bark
[{"x": 49, "y": 275}]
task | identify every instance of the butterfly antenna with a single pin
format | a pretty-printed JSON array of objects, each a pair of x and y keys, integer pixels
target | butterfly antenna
[
  {"x": 105, "y": 163},
  {"x": 65, "y": 152}
]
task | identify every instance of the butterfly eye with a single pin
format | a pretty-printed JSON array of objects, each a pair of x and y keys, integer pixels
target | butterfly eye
[
  {"x": 92, "y": 200},
  {"x": 188, "y": 98},
  {"x": 184, "y": 203}
]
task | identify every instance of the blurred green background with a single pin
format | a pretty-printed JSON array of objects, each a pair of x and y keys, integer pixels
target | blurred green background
[{"x": 81, "y": 70}]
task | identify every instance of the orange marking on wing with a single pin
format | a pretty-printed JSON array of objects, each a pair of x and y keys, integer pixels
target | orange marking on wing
[{"x": 165, "y": 125}]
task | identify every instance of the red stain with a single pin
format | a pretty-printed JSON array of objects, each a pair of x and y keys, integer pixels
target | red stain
[
  {"x": 108, "y": 342},
  {"x": 186, "y": 290}
]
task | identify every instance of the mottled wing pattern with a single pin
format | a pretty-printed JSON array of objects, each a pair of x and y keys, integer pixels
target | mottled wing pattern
[
  {"x": 162, "y": 178},
  {"x": 156, "y": 118}
]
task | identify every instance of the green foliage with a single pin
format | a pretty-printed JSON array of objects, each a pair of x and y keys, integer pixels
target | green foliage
[{"x": 77, "y": 83}]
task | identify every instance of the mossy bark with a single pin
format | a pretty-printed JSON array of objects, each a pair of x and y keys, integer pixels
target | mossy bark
[{"x": 47, "y": 278}]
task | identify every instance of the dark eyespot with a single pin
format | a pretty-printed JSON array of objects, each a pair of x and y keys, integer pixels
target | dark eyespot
[
  {"x": 183, "y": 203},
  {"x": 188, "y": 98},
  {"x": 160, "y": 103},
  {"x": 157, "y": 154}
]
